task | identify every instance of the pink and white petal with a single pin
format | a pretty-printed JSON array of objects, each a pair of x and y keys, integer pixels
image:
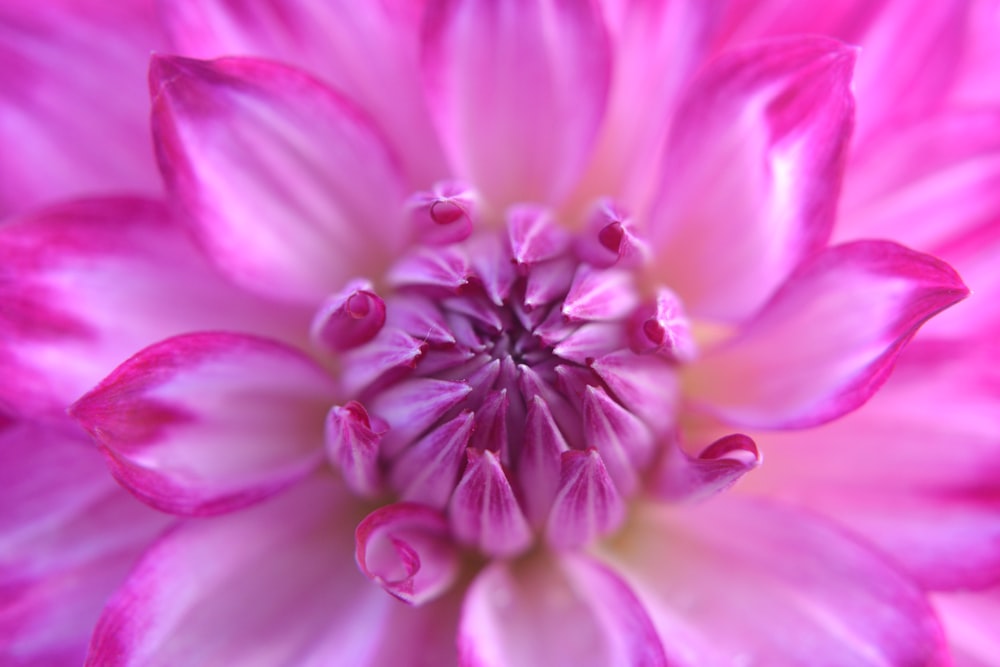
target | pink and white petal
[
  {"x": 291, "y": 187},
  {"x": 73, "y": 105},
  {"x": 910, "y": 50},
  {"x": 971, "y": 621},
  {"x": 827, "y": 339},
  {"x": 658, "y": 44},
  {"x": 69, "y": 274},
  {"x": 68, "y": 536},
  {"x": 208, "y": 423},
  {"x": 756, "y": 153},
  {"x": 517, "y": 90},
  {"x": 925, "y": 183},
  {"x": 976, "y": 82},
  {"x": 367, "y": 50},
  {"x": 273, "y": 585},
  {"x": 405, "y": 548},
  {"x": 752, "y": 583},
  {"x": 915, "y": 470},
  {"x": 565, "y": 611},
  {"x": 974, "y": 254}
]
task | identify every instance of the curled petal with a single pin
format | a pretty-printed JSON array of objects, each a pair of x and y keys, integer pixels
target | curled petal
[
  {"x": 352, "y": 444},
  {"x": 350, "y": 318},
  {"x": 208, "y": 423},
  {"x": 610, "y": 238},
  {"x": 681, "y": 476},
  {"x": 405, "y": 548},
  {"x": 662, "y": 328},
  {"x": 446, "y": 214}
]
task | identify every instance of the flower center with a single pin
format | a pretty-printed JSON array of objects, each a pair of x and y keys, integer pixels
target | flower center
[{"x": 512, "y": 379}]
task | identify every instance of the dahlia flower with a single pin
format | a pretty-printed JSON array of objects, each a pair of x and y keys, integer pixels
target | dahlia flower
[{"x": 528, "y": 332}]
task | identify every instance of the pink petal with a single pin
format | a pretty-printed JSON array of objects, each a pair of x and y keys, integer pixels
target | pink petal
[
  {"x": 446, "y": 214},
  {"x": 727, "y": 582},
  {"x": 349, "y": 318},
  {"x": 680, "y": 476},
  {"x": 428, "y": 470},
  {"x": 827, "y": 339},
  {"x": 587, "y": 504},
  {"x": 405, "y": 548},
  {"x": 557, "y": 612},
  {"x": 646, "y": 385},
  {"x": 915, "y": 470},
  {"x": 910, "y": 49},
  {"x": 68, "y": 537},
  {"x": 74, "y": 112},
  {"x": 273, "y": 585},
  {"x": 657, "y": 46},
  {"x": 352, "y": 444},
  {"x": 970, "y": 621},
  {"x": 518, "y": 91},
  {"x": 599, "y": 294},
  {"x": 755, "y": 154},
  {"x": 623, "y": 441},
  {"x": 208, "y": 423},
  {"x": 539, "y": 464},
  {"x": 483, "y": 510},
  {"x": 973, "y": 253},
  {"x": 411, "y": 406},
  {"x": 911, "y": 54},
  {"x": 534, "y": 234},
  {"x": 368, "y": 50},
  {"x": 276, "y": 170},
  {"x": 71, "y": 271},
  {"x": 922, "y": 183}
]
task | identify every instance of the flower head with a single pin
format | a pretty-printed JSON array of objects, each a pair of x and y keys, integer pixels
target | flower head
[{"x": 459, "y": 332}]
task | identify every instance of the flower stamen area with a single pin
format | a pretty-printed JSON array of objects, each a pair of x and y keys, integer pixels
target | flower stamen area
[{"x": 501, "y": 382}]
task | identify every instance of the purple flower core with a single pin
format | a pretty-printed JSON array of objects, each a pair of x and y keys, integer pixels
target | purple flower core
[{"x": 516, "y": 343}]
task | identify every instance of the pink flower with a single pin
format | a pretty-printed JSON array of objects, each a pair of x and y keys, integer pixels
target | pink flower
[{"x": 459, "y": 332}]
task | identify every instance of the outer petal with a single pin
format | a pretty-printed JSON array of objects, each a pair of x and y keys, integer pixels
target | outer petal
[
  {"x": 518, "y": 92},
  {"x": 68, "y": 275},
  {"x": 291, "y": 188},
  {"x": 751, "y": 173},
  {"x": 657, "y": 44},
  {"x": 971, "y": 621},
  {"x": 274, "y": 585},
  {"x": 925, "y": 182},
  {"x": 368, "y": 50},
  {"x": 827, "y": 340},
  {"x": 743, "y": 583},
  {"x": 910, "y": 48},
  {"x": 565, "y": 612},
  {"x": 207, "y": 423},
  {"x": 72, "y": 99},
  {"x": 68, "y": 535},
  {"x": 916, "y": 470}
]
